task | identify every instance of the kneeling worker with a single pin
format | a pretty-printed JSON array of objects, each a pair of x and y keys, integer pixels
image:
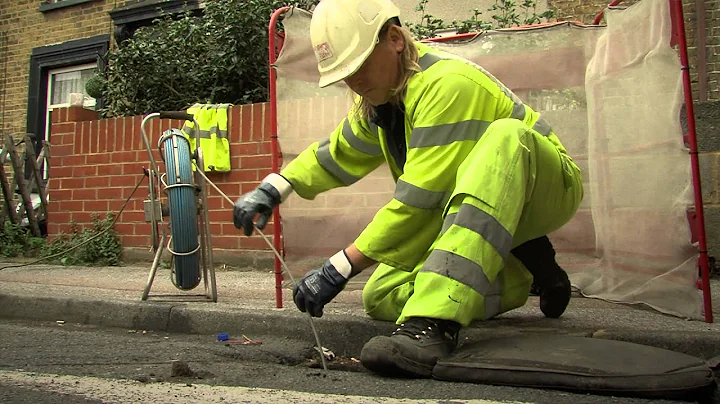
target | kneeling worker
[{"x": 480, "y": 182}]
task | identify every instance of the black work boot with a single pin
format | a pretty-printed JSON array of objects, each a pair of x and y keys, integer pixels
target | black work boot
[
  {"x": 550, "y": 280},
  {"x": 413, "y": 349}
]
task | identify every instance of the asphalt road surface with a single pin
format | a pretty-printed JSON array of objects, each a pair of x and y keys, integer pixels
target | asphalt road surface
[{"x": 48, "y": 362}]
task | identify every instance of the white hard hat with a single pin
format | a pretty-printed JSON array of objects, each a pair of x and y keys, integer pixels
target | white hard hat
[{"x": 344, "y": 33}]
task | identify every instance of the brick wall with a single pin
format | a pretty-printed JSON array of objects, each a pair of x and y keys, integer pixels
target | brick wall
[
  {"x": 586, "y": 10},
  {"x": 27, "y": 28},
  {"x": 96, "y": 164}
]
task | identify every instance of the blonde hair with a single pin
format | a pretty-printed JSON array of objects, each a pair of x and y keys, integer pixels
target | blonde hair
[{"x": 408, "y": 65}]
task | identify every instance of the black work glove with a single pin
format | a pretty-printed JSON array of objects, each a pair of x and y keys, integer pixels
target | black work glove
[
  {"x": 260, "y": 201},
  {"x": 319, "y": 286}
]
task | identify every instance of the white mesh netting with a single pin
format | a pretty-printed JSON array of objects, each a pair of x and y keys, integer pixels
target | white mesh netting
[{"x": 613, "y": 95}]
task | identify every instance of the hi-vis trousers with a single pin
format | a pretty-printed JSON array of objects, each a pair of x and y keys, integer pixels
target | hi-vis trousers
[{"x": 514, "y": 186}]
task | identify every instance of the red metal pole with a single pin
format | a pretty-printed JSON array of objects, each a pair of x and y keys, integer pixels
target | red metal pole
[
  {"x": 676, "y": 8},
  {"x": 600, "y": 15},
  {"x": 274, "y": 149}
]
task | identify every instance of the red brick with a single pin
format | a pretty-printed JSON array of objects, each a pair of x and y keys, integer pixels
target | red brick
[
  {"x": 119, "y": 134},
  {"x": 53, "y": 229},
  {"x": 226, "y": 242},
  {"x": 135, "y": 241},
  {"x": 248, "y": 186},
  {"x": 62, "y": 138},
  {"x": 61, "y": 195},
  {"x": 97, "y": 182},
  {"x": 109, "y": 138},
  {"x": 101, "y": 158},
  {"x": 132, "y": 169},
  {"x": 268, "y": 128},
  {"x": 94, "y": 136},
  {"x": 142, "y": 229},
  {"x": 133, "y": 216},
  {"x": 82, "y": 217},
  {"x": 85, "y": 171},
  {"x": 258, "y": 124},
  {"x": 109, "y": 169},
  {"x": 62, "y": 128},
  {"x": 124, "y": 228},
  {"x": 85, "y": 142},
  {"x": 84, "y": 194},
  {"x": 244, "y": 149},
  {"x": 123, "y": 181},
  {"x": 246, "y": 129},
  {"x": 255, "y": 162},
  {"x": 221, "y": 216},
  {"x": 265, "y": 147},
  {"x": 60, "y": 217},
  {"x": 111, "y": 193},
  {"x": 254, "y": 243},
  {"x": 62, "y": 150},
  {"x": 74, "y": 160},
  {"x": 72, "y": 183},
  {"x": 216, "y": 229},
  {"x": 54, "y": 116},
  {"x": 70, "y": 206},
  {"x": 123, "y": 156},
  {"x": 100, "y": 136},
  {"x": 129, "y": 134},
  {"x": 242, "y": 176},
  {"x": 138, "y": 142},
  {"x": 234, "y": 125},
  {"x": 95, "y": 206},
  {"x": 228, "y": 229},
  {"x": 114, "y": 205},
  {"x": 218, "y": 203}
]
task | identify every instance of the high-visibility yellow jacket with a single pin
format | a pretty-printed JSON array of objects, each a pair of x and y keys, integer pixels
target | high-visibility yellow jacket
[
  {"x": 213, "y": 122},
  {"x": 438, "y": 134}
]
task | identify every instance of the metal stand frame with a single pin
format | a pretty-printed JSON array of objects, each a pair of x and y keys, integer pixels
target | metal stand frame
[{"x": 154, "y": 212}]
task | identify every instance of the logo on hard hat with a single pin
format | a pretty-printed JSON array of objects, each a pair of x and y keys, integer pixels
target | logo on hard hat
[{"x": 323, "y": 52}]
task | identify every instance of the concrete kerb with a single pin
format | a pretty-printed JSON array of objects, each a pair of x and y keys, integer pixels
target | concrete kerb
[{"x": 343, "y": 332}]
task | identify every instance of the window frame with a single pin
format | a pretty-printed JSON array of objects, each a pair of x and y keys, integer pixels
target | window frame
[
  {"x": 46, "y": 5},
  {"x": 46, "y": 58}
]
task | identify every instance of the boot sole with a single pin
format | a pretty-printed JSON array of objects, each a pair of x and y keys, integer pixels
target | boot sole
[
  {"x": 375, "y": 358},
  {"x": 555, "y": 299}
]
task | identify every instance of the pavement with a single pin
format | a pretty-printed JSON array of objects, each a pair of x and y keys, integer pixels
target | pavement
[{"x": 111, "y": 296}]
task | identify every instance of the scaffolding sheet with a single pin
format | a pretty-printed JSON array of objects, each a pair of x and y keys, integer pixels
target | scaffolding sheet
[{"x": 613, "y": 95}]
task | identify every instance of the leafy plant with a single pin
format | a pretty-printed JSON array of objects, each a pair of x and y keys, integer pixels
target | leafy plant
[
  {"x": 505, "y": 14},
  {"x": 15, "y": 241},
  {"x": 96, "y": 245},
  {"x": 220, "y": 57}
]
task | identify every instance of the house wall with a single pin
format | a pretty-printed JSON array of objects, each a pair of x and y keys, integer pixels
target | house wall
[{"x": 28, "y": 28}]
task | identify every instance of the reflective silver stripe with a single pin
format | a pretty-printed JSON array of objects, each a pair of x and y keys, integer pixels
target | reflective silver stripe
[
  {"x": 428, "y": 60},
  {"x": 518, "y": 111},
  {"x": 417, "y": 197},
  {"x": 446, "y": 134},
  {"x": 374, "y": 129},
  {"x": 357, "y": 143},
  {"x": 328, "y": 162},
  {"x": 542, "y": 127},
  {"x": 205, "y": 134},
  {"x": 484, "y": 224},
  {"x": 493, "y": 299},
  {"x": 449, "y": 220},
  {"x": 459, "y": 268}
]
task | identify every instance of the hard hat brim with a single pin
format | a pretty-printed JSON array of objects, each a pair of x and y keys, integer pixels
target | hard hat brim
[{"x": 341, "y": 73}]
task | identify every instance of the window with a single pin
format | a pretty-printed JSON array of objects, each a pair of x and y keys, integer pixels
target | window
[
  {"x": 56, "y": 72},
  {"x": 67, "y": 86},
  {"x": 133, "y": 15},
  {"x": 49, "y": 5}
]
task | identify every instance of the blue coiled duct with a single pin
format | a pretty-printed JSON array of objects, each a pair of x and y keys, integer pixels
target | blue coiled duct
[{"x": 183, "y": 208}]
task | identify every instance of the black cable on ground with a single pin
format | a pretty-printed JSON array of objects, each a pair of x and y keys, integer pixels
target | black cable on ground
[{"x": 84, "y": 242}]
